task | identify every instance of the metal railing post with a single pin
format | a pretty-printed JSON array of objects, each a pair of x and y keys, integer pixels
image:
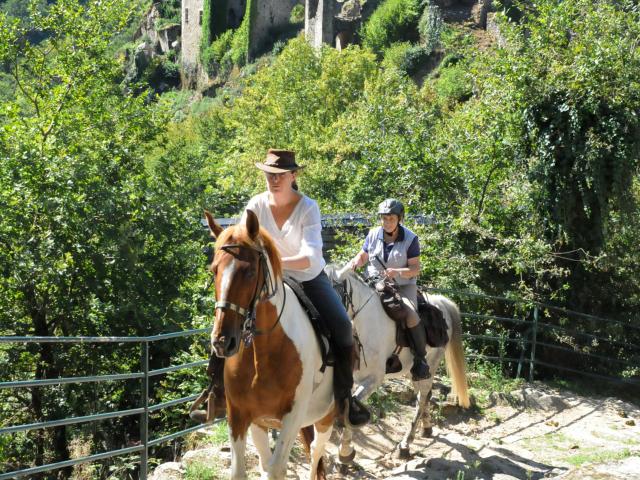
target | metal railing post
[
  {"x": 534, "y": 335},
  {"x": 144, "y": 418}
]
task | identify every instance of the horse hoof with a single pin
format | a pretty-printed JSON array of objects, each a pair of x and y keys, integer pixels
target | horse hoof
[
  {"x": 403, "y": 453},
  {"x": 347, "y": 459},
  {"x": 427, "y": 432}
]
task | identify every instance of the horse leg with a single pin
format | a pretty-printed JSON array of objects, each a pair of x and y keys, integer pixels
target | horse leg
[
  {"x": 365, "y": 388},
  {"x": 322, "y": 431},
  {"x": 347, "y": 453},
  {"x": 278, "y": 464},
  {"x": 423, "y": 387},
  {"x": 260, "y": 437},
  {"x": 238, "y": 449},
  {"x": 427, "y": 422}
]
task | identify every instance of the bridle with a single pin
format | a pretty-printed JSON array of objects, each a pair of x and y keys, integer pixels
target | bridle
[
  {"x": 345, "y": 291},
  {"x": 267, "y": 291}
]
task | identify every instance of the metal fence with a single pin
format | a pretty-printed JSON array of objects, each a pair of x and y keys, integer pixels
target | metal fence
[
  {"x": 534, "y": 336},
  {"x": 499, "y": 329},
  {"x": 143, "y": 410}
]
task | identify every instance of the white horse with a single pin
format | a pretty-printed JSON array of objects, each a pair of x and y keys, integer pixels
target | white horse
[{"x": 377, "y": 334}]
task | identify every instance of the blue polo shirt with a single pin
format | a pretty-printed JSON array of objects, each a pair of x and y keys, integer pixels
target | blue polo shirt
[{"x": 412, "y": 252}]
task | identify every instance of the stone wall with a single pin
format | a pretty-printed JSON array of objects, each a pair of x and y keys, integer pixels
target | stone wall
[
  {"x": 269, "y": 15},
  {"x": 318, "y": 21},
  {"x": 191, "y": 35}
]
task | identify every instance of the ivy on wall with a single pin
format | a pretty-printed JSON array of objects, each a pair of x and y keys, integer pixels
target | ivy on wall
[{"x": 213, "y": 23}]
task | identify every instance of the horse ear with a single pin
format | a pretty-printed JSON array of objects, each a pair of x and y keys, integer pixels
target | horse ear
[
  {"x": 252, "y": 224},
  {"x": 214, "y": 228}
]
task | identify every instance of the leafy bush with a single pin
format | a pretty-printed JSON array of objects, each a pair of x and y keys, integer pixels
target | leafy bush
[
  {"x": 405, "y": 57},
  {"x": 393, "y": 21},
  {"x": 218, "y": 55},
  {"x": 7, "y": 87},
  {"x": 297, "y": 13},
  {"x": 453, "y": 84}
]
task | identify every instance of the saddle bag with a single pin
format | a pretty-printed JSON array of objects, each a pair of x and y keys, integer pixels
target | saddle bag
[
  {"x": 391, "y": 300},
  {"x": 433, "y": 320}
]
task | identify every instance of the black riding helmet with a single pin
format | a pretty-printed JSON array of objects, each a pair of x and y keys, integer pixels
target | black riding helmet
[{"x": 391, "y": 206}]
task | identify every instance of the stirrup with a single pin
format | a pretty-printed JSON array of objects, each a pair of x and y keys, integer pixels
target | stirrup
[{"x": 208, "y": 415}]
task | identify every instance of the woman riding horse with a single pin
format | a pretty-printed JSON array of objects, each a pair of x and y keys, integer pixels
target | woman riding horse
[
  {"x": 393, "y": 251},
  {"x": 293, "y": 220}
]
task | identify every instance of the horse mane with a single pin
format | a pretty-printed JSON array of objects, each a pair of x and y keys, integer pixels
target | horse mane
[{"x": 240, "y": 235}]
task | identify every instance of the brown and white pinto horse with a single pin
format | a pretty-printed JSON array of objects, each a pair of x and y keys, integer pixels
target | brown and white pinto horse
[{"x": 272, "y": 370}]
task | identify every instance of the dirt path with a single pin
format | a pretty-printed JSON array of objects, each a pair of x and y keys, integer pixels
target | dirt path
[{"x": 536, "y": 432}]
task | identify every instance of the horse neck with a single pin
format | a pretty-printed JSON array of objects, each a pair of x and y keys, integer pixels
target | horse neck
[{"x": 365, "y": 302}]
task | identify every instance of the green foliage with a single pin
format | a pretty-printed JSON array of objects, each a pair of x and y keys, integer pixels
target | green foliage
[
  {"x": 240, "y": 41},
  {"x": 393, "y": 21},
  {"x": 7, "y": 87},
  {"x": 573, "y": 71},
  {"x": 405, "y": 57},
  {"x": 170, "y": 13},
  {"x": 569, "y": 80},
  {"x": 297, "y": 13},
  {"x": 200, "y": 471},
  {"x": 490, "y": 379},
  {"x": 94, "y": 242},
  {"x": 453, "y": 84},
  {"x": 21, "y": 10},
  {"x": 217, "y": 56}
]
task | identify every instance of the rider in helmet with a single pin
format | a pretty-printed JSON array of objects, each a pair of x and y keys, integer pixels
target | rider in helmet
[{"x": 393, "y": 250}]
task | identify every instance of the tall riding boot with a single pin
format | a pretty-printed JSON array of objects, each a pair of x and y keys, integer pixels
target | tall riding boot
[
  {"x": 214, "y": 395},
  {"x": 418, "y": 341},
  {"x": 355, "y": 414}
]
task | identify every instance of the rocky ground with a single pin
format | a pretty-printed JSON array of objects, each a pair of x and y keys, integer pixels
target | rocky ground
[{"x": 530, "y": 433}]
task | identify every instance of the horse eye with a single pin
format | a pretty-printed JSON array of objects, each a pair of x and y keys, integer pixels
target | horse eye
[{"x": 250, "y": 273}]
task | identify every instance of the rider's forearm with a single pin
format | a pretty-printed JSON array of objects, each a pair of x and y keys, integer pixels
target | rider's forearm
[
  {"x": 360, "y": 259},
  {"x": 408, "y": 272},
  {"x": 296, "y": 262}
]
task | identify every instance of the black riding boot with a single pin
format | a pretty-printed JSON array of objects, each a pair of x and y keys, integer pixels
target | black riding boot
[
  {"x": 214, "y": 395},
  {"x": 355, "y": 414},
  {"x": 418, "y": 341}
]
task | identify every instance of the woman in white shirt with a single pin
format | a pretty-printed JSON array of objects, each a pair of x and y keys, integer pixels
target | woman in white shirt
[{"x": 293, "y": 220}]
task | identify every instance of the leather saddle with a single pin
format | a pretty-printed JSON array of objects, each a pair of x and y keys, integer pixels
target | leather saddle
[
  {"x": 432, "y": 319},
  {"x": 319, "y": 328}
]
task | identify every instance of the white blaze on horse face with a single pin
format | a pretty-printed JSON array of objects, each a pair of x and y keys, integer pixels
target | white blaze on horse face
[{"x": 227, "y": 276}]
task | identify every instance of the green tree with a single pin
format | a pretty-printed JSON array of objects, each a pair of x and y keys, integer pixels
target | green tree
[
  {"x": 570, "y": 75},
  {"x": 93, "y": 242}
]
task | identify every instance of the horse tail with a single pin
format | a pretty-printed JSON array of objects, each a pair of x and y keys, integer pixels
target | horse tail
[
  {"x": 307, "y": 435},
  {"x": 454, "y": 355}
]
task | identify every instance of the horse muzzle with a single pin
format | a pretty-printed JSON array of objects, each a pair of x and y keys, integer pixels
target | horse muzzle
[{"x": 225, "y": 345}]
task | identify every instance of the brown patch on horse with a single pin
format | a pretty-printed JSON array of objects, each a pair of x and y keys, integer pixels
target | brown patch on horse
[
  {"x": 326, "y": 422},
  {"x": 261, "y": 380},
  {"x": 239, "y": 234}
]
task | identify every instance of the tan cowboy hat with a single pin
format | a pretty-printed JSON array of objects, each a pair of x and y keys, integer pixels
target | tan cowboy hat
[{"x": 279, "y": 161}]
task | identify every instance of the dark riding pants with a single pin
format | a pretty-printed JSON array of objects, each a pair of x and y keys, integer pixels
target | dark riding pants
[{"x": 332, "y": 312}]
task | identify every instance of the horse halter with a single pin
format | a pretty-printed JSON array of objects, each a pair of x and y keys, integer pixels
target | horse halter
[{"x": 248, "y": 314}]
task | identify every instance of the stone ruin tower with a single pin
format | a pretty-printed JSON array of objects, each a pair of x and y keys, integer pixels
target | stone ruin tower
[{"x": 325, "y": 22}]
